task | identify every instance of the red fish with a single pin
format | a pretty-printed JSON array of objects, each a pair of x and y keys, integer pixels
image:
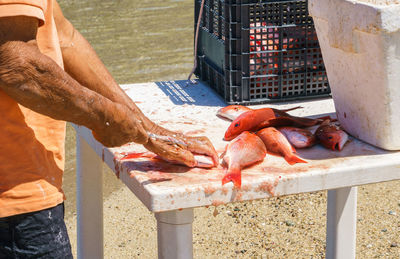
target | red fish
[
  {"x": 245, "y": 150},
  {"x": 231, "y": 112},
  {"x": 277, "y": 143},
  {"x": 266, "y": 117},
  {"x": 331, "y": 136},
  {"x": 299, "y": 138}
]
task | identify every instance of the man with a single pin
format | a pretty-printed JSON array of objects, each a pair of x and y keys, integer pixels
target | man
[{"x": 36, "y": 98}]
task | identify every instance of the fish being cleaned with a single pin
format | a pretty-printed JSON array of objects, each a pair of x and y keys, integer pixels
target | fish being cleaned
[
  {"x": 201, "y": 160},
  {"x": 267, "y": 117},
  {"x": 331, "y": 136},
  {"x": 204, "y": 161},
  {"x": 231, "y": 112},
  {"x": 277, "y": 143},
  {"x": 297, "y": 137},
  {"x": 245, "y": 150}
]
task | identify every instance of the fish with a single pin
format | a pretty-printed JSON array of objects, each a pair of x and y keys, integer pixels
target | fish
[
  {"x": 267, "y": 117},
  {"x": 204, "y": 161},
  {"x": 243, "y": 151},
  {"x": 331, "y": 135},
  {"x": 231, "y": 112},
  {"x": 277, "y": 143},
  {"x": 297, "y": 137}
]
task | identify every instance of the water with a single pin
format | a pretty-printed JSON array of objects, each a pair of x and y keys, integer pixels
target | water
[{"x": 138, "y": 41}]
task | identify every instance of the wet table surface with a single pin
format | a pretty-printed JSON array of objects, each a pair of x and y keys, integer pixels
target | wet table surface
[{"x": 191, "y": 109}]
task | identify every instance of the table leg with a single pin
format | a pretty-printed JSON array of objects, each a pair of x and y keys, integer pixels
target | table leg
[
  {"x": 89, "y": 201},
  {"x": 341, "y": 223},
  {"x": 174, "y": 234}
]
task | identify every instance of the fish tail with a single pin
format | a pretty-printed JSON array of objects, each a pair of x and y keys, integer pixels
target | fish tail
[
  {"x": 293, "y": 159},
  {"x": 294, "y": 108},
  {"x": 233, "y": 175}
]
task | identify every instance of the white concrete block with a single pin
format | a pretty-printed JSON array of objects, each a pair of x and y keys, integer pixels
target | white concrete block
[{"x": 360, "y": 44}]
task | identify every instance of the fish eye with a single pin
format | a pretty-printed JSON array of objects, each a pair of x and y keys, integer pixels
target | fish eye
[
  {"x": 330, "y": 137},
  {"x": 237, "y": 124}
]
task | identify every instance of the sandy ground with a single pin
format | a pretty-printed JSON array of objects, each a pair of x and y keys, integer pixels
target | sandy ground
[{"x": 283, "y": 227}]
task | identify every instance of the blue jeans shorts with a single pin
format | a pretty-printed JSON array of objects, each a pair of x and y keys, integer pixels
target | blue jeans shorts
[{"x": 40, "y": 234}]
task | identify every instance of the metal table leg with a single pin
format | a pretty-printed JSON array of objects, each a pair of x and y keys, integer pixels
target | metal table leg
[
  {"x": 174, "y": 232},
  {"x": 341, "y": 223},
  {"x": 89, "y": 201}
]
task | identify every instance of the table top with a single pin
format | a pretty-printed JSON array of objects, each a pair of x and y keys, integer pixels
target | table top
[{"x": 191, "y": 109}]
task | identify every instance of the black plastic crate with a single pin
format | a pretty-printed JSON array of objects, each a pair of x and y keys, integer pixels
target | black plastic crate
[{"x": 259, "y": 51}]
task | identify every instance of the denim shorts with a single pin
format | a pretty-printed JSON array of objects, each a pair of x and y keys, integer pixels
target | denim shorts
[{"x": 40, "y": 234}]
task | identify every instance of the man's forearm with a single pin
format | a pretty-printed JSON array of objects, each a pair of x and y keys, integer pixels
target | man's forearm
[
  {"x": 83, "y": 64},
  {"x": 37, "y": 82}
]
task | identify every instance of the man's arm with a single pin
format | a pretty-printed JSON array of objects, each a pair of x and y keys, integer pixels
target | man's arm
[
  {"x": 83, "y": 64},
  {"x": 37, "y": 82}
]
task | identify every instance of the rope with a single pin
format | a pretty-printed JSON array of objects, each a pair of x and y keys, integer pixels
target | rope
[{"x": 196, "y": 40}]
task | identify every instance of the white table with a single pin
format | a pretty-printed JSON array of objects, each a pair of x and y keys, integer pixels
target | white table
[{"x": 171, "y": 192}]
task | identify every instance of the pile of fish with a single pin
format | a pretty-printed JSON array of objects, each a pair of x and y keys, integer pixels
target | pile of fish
[{"x": 253, "y": 132}]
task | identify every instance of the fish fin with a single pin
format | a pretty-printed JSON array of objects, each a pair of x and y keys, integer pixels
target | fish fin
[
  {"x": 343, "y": 140},
  {"x": 324, "y": 118},
  {"x": 294, "y": 108},
  {"x": 324, "y": 121},
  {"x": 277, "y": 122},
  {"x": 293, "y": 159},
  {"x": 305, "y": 122},
  {"x": 222, "y": 154},
  {"x": 233, "y": 175}
]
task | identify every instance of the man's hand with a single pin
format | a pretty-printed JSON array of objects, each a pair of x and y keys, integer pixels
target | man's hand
[{"x": 180, "y": 149}]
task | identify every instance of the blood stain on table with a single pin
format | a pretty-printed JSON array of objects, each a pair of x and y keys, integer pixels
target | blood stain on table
[
  {"x": 217, "y": 202},
  {"x": 246, "y": 187},
  {"x": 238, "y": 196},
  {"x": 268, "y": 187},
  {"x": 116, "y": 166},
  {"x": 208, "y": 190}
]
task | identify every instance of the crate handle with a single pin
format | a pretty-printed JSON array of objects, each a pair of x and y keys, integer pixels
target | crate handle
[{"x": 196, "y": 40}]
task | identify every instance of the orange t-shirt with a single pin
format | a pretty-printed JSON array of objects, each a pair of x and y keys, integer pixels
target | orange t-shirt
[{"x": 31, "y": 144}]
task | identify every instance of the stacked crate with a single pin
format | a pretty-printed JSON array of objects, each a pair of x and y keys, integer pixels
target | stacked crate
[{"x": 259, "y": 51}]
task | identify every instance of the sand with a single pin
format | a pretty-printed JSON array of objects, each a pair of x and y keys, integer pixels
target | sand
[{"x": 282, "y": 227}]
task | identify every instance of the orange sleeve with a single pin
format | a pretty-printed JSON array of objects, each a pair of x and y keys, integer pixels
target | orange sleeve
[{"x": 33, "y": 8}]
